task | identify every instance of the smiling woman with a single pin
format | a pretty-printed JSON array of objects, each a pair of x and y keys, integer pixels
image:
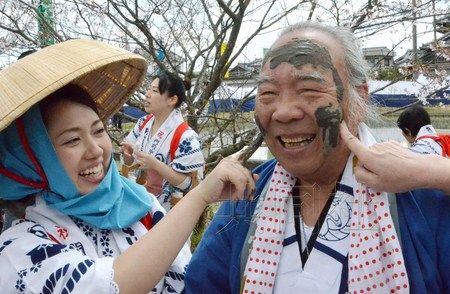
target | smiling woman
[
  {"x": 81, "y": 143},
  {"x": 86, "y": 229}
]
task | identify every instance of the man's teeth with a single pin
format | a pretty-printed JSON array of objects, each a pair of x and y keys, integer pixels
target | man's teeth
[
  {"x": 298, "y": 141},
  {"x": 93, "y": 170}
]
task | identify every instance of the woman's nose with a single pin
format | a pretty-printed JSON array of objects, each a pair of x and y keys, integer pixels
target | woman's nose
[{"x": 94, "y": 149}]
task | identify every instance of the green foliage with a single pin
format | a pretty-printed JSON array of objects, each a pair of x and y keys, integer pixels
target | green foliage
[
  {"x": 440, "y": 117},
  {"x": 388, "y": 74},
  {"x": 202, "y": 225}
]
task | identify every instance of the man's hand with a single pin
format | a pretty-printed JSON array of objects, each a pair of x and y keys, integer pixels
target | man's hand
[{"x": 385, "y": 166}]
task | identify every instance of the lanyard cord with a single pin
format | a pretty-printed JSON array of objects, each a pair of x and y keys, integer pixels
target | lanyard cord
[{"x": 304, "y": 254}]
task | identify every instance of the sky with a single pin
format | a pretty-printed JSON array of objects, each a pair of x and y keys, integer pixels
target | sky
[{"x": 388, "y": 38}]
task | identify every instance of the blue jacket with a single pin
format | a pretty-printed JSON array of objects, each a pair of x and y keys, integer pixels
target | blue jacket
[{"x": 424, "y": 221}]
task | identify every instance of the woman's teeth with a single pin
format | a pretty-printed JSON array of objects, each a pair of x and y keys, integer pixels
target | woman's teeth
[
  {"x": 93, "y": 171},
  {"x": 297, "y": 142}
]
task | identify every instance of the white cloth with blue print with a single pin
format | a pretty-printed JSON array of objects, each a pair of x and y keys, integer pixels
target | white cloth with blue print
[
  {"x": 188, "y": 156},
  {"x": 48, "y": 252},
  {"x": 329, "y": 252},
  {"x": 426, "y": 145}
]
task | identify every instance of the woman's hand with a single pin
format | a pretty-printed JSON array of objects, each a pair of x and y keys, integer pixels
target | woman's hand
[
  {"x": 386, "y": 166},
  {"x": 229, "y": 180},
  {"x": 146, "y": 161},
  {"x": 127, "y": 153}
]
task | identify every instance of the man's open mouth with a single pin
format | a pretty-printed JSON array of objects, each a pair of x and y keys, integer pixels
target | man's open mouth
[{"x": 294, "y": 142}]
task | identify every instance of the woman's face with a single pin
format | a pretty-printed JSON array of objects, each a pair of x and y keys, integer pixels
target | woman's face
[
  {"x": 156, "y": 102},
  {"x": 81, "y": 143}
]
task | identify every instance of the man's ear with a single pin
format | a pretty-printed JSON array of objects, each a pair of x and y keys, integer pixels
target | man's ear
[
  {"x": 363, "y": 91},
  {"x": 407, "y": 132},
  {"x": 354, "y": 118}
]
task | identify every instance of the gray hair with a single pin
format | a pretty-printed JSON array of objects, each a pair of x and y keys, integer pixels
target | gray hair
[{"x": 356, "y": 66}]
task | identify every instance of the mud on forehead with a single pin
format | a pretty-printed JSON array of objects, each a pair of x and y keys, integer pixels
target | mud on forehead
[{"x": 301, "y": 52}]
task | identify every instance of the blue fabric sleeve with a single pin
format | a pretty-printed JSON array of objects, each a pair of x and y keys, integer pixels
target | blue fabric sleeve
[
  {"x": 424, "y": 220},
  {"x": 211, "y": 269},
  {"x": 215, "y": 264}
]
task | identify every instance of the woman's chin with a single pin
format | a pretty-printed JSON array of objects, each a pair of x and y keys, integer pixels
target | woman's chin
[{"x": 86, "y": 186}]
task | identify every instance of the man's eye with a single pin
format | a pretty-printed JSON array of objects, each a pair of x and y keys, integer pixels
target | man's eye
[
  {"x": 266, "y": 98},
  {"x": 268, "y": 93}
]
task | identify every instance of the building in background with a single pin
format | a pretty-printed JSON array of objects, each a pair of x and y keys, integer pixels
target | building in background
[
  {"x": 433, "y": 55},
  {"x": 379, "y": 57}
]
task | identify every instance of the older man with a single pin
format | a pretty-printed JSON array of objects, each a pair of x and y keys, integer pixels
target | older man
[{"x": 312, "y": 228}]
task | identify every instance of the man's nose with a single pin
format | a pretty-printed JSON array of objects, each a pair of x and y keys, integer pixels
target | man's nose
[{"x": 287, "y": 110}]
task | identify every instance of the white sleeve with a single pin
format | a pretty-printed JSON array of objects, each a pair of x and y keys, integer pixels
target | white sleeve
[
  {"x": 133, "y": 135},
  {"x": 426, "y": 146},
  {"x": 30, "y": 262},
  {"x": 189, "y": 155}
]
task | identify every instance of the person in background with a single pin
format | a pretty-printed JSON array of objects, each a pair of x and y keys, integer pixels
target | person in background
[
  {"x": 312, "y": 226},
  {"x": 415, "y": 123},
  {"x": 162, "y": 145},
  {"x": 84, "y": 228}
]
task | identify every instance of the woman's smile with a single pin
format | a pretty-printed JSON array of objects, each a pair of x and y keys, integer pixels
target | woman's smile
[{"x": 93, "y": 174}]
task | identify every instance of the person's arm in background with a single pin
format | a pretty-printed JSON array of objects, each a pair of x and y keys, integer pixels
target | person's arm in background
[
  {"x": 142, "y": 265},
  {"x": 127, "y": 153},
  {"x": 390, "y": 167},
  {"x": 148, "y": 161},
  {"x": 127, "y": 145}
]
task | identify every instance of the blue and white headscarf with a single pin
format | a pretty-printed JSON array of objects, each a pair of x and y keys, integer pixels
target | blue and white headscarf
[{"x": 29, "y": 165}]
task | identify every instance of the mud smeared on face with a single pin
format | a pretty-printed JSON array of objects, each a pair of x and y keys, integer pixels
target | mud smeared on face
[
  {"x": 328, "y": 119},
  {"x": 302, "y": 52},
  {"x": 260, "y": 127}
]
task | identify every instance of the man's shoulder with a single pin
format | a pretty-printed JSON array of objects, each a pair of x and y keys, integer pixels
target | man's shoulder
[
  {"x": 432, "y": 203},
  {"x": 265, "y": 167},
  {"x": 243, "y": 209}
]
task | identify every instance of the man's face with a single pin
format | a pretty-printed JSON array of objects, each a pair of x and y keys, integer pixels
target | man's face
[{"x": 299, "y": 102}]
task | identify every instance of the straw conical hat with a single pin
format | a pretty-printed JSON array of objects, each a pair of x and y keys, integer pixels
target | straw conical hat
[{"x": 109, "y": 74}]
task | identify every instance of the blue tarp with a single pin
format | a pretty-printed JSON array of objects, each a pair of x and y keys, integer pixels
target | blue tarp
[
  {"x": 403, "y": 100},
  {"x": 384, "y": 99},
  {"x": 231, "y": 104},
  {"x": 133, "y": 111}
]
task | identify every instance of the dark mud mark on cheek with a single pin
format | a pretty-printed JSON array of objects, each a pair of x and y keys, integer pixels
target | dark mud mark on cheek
[
  {"x": 328, "y": 119},
  {"x": 260, "y": 127},
  {"x": 301, "y": 52}
]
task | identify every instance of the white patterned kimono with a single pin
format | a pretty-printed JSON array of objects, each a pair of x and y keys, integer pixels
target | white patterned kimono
[
  {"x": 426, "y": 145},
  {"x": 188, "y": 155},
  {"x": 48, "y": 252}
]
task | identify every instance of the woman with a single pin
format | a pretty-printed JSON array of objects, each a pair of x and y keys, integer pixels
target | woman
[
  {"x": 170, "y": 167},
  {"x": 88, "y": 228}
]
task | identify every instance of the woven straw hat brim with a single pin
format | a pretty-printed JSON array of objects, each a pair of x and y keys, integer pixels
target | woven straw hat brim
[{"x": 109, "y": 74}]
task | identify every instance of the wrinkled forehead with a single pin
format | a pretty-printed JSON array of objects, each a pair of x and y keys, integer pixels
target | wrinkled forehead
[
  {"x": 300, "y": 52},
  {"x": 308, "y": 48}
]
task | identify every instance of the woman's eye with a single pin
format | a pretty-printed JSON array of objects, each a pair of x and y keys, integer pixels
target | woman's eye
[
  {"x": 99, "y": 131},
  {"x": 71, "y": 142}
]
